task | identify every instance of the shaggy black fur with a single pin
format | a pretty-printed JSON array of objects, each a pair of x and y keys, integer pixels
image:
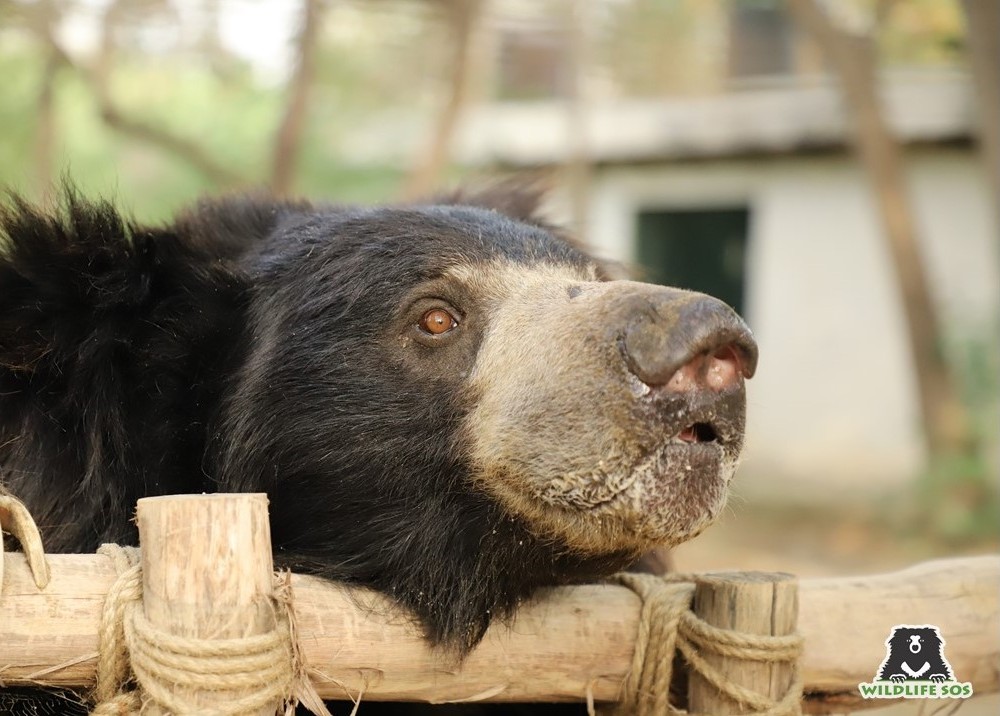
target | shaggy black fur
[
  {"x": 249, "y": 346},
  {"x": 915, "y": 653}
]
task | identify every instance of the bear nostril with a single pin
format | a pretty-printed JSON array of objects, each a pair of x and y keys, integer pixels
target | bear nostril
[
  {"x": 724, "y": 368},
  {"x": 719, "y": 370}
]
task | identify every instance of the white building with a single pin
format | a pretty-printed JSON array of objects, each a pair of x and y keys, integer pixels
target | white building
[{"x": 752, "y": 195}]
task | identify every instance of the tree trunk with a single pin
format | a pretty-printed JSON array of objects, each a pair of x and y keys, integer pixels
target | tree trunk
[
  {"x": 288, "y": 141},
  {"x": 45, "y": 119},
  {"x": 578, "y": 169},
  {"x": 983, "y": 22},
  {"x": 852, "y": 58},
  {"x": 45, "y": 132},
  {"x": 100, "y": 81},
  {"x": 461, "y": 18}
]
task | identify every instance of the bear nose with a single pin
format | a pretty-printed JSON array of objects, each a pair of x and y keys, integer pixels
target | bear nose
[{"x": 688, "y": 342}]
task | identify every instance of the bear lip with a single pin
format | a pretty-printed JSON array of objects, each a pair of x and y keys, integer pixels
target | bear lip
[
  {"x": 675, "y": 447},
  {"x": 698, "y": 450}
]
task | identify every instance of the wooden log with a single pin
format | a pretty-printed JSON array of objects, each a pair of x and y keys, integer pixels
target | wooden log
[
  {"x": 561, "y": 644},
  {"x": 841, "y": 619},
  {"x": 764, "y": 603},
  {"x": 207, "y": 573}
]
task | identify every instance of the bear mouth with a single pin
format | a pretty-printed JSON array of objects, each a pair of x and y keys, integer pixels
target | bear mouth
[
  {"x": 669, "y": 493},
  {"x": 688, "y": 475},
  {"x": 695, "y": 455},
  {"x": 693, "y": 462},
  {"x": 697, "y": 433},
  {"x": 713, "y": 419}
]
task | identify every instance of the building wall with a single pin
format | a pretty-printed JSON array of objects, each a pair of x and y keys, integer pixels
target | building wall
[{"x": 834, "y": 401}]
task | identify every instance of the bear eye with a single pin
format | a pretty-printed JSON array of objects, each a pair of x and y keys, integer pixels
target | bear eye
[{"x": 437, "y": 321}]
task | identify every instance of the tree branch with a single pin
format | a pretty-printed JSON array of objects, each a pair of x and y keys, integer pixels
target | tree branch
[
  {"x": 184, "y": 148},
  {"x": 579, "y": 173},
  {"x": 982, "y": 19},
  {"x": 115, "y": 118},
  {"x": 45, "y": 123},
  {"x": 461, "y": 16},
  {"x": 288, "y": 139}
]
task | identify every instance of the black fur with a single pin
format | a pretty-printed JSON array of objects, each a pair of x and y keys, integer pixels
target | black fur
[
  {"x": 114, "y": 340},
  {"x": 247, "y": 347}
]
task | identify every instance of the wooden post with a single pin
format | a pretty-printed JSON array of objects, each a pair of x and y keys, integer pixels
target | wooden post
[
  {"x": 207, "y": 572},
  {"x": 752, "y": 603}
]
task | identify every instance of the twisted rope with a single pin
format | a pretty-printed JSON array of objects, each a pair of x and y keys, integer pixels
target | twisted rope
[
  {"x": 113, "y": 672},
  {"x": 139, "y": 662},
  {"x": 667, "y": 626}
]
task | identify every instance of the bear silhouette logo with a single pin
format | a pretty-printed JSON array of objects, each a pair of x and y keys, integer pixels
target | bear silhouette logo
[
  {"x": 914, "y": 653},
  {"x": 915, "y": 667}
]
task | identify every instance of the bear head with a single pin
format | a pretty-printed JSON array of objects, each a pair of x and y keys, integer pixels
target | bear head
[{"x": 446, "y": 402}]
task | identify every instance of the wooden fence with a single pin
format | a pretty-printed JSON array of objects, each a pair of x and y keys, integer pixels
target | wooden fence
[{"x": 206, "y": 562}]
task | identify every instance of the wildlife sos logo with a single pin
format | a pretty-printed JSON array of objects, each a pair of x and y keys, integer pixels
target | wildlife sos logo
[{"x": 915, "y": 667}]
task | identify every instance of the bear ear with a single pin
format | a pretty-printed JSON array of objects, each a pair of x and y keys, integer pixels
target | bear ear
[
  {"x": 228, "y": 226},
  {"x": 518, "y": 197},
  {"x": 521, "y": 198}
]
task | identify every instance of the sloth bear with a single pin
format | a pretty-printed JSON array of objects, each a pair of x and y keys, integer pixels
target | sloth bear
[
  {"x": 448, "y": 403},
  {"x": 914, "y": 653}
]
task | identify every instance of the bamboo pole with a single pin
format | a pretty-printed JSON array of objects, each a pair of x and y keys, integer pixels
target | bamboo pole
[
  {"x": 764, "y": 603},
  {"x": 561, "y": 644}
]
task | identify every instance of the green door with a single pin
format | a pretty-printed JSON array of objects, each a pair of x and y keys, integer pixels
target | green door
[{"x": 700, "y": 249}]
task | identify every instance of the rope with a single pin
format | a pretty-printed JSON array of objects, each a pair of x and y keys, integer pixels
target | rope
[
  {"x": 113, "y": 670},
  {"x": 138, "y": 662},
  {"x": 667, "y": 626}
]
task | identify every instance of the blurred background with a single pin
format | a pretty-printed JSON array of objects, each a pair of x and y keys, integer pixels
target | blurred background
[{"x": 830, "y": 168}]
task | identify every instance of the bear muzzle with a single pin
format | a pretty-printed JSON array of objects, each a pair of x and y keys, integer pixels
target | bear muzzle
[{"x": 610, "y": 415}]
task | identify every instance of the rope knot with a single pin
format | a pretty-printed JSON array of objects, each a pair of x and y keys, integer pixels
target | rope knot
[
  {"x": 139, "y": 662},
  {"x": 667, "y": 626}
]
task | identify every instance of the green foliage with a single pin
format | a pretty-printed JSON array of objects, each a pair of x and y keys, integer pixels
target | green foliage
[
  {"x": 21, "y": 72},
  {"x": 976, "y": 358},
  {"x": 232, "y": 119},
  {"x": 923, "y": 33},
  {"x": 663, "y": 47},
  {"x": 371, "y": 57},
  {"x": 957, "y": 499}
]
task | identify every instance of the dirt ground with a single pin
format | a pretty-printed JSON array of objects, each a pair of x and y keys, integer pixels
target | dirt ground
[
  {"x": 765, "y": 531},
  {"x": 762, "y": 532}
]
